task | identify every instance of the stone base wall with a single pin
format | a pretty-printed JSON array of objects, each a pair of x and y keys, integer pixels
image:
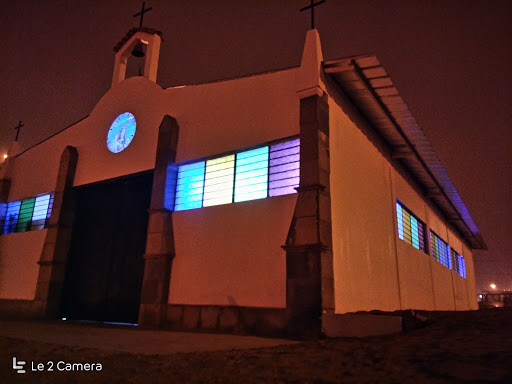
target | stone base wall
[
  {"x": 14, "y": 309},
  {"x": 360, "y": 324},
  {"x": 213, "y": 318}
]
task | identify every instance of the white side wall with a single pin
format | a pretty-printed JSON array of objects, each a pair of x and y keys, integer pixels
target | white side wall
[
  {"x": 373, "y": 268},
  {"x": 364, "y": 254},
  {"x": 231, "y": 254},
  {"x": 19, "y": 254}
]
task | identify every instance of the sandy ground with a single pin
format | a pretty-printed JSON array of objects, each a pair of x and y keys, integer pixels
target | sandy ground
[{"x": 465, "y": 347}]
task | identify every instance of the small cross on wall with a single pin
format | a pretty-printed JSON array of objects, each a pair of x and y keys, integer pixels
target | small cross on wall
[
  {"x": 312, "y": 7},
  {"x": 18, "y": 127}
]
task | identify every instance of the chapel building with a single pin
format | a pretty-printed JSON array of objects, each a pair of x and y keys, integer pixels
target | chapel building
[{"x": 271, "y": 203}]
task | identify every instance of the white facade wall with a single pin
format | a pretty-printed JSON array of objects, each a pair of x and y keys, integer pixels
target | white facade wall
[
  {"x": 213, "y": 118},
  {"x": 19, "y": 254}
]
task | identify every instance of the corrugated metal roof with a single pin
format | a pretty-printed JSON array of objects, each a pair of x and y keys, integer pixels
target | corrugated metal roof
[{"x": 365, "y": 81}]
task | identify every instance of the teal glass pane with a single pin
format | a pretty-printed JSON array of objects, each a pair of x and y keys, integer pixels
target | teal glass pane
[
  {"x": 25, "y": 217},
  {"x": 251, "y": 175},
  {"x": 414, "y": 233},
  {"x": 399, "y": 220},
  {"x": 189, "y": 186}
]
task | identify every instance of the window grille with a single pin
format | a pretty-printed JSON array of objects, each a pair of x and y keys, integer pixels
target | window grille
[
  {"x": 410, "y": 228},
  {"x": 440, "y": 250},
  {"x": 284, "y": 168},
  {"x": 218, "y": 181},
  {"x": 270, "y": 170},
  {"x": 28, "y": 214},
  {"x": 11, "y": 217},
  {"x": 251, "y": 181},
  {"x": 458, "y": 263},
  {"x": 190, "y": 186}
]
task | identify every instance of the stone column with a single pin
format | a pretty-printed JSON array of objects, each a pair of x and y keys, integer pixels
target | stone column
[
  {"x": 160, "y": 240},
  {"x": 52, "y": 263},
  {"x": 309, "y": 269}
]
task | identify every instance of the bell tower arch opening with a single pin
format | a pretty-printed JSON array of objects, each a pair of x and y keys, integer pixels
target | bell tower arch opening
[{"x": 137, "y": 54}]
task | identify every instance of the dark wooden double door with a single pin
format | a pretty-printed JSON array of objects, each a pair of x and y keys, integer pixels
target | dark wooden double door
[{"x": 105, "y": 263}]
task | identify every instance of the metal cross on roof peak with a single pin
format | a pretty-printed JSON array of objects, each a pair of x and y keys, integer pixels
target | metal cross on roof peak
[
  {"x": 312, "y": 7},
  {"x": 142, "y": 12},
  {"x": 18, "y": 127}
]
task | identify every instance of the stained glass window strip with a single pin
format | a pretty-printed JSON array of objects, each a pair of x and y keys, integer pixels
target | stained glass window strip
[
  {"x": 28, "y": 214},
  {"x": 247, "y": 175},
  {"x": 284, "y": 169},
  {"x": 410, "y": 228},
  {"x": 190, "y": 186},
  {"x": 458, "y": 263},
  {"x": 440, "y": 250},
  {"x": 251, "y": 177},
  {"x": 218, "y": 182}
]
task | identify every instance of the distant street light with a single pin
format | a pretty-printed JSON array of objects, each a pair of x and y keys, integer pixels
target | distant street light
[{"x": 493, "y": 286}]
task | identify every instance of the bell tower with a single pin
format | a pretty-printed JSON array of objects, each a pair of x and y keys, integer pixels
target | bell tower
[
  {"x": 139, "y": 42},
  {"x": 136, "y": 41}
]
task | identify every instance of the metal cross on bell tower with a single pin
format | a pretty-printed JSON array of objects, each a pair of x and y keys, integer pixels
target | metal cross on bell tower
[
  {"x": 142, "y": 12},
  {"x": 312, "y": 7},
  {"x": 138, "y": 50},
  {"x": 18, "y": 127}
]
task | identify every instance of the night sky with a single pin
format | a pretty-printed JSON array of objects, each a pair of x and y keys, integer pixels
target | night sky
[{"x": 451, "y": 62}]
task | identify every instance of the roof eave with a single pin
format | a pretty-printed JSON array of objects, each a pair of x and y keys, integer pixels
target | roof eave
[{"x": 365, "y": 82}]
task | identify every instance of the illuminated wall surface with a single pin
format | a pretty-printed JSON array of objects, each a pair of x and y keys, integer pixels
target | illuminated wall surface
[
  {"x": 26, "y": 215},
  {"x": 247, "y": 175},
  {"x": 410, "y": 228}
]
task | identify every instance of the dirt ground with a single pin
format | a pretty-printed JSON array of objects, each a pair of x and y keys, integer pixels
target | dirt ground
[{"x": 463, "y": 347}]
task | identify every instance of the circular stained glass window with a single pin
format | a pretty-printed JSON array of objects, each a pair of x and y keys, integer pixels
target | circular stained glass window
[{"x": 121, "y": 132}]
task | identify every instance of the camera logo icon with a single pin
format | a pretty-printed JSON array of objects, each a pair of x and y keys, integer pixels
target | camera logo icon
[{"x": 18, "y": 365}]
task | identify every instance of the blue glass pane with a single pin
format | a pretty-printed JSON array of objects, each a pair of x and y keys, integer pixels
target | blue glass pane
[
  {"x": 189, "y": 187},
  {"x": 438, "y": 248},
  {"x": 286, "y": 144},
  {"x": 292, "y": 174},
  {"x": 447, "y": 256},
  {"x": 11, "y": 217}
]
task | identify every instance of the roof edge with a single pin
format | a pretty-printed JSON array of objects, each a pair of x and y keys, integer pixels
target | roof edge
[{"x": 366, "y": 83}]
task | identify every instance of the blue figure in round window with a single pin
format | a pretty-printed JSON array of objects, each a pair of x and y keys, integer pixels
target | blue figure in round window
[{"x": 121, "y": 132}]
